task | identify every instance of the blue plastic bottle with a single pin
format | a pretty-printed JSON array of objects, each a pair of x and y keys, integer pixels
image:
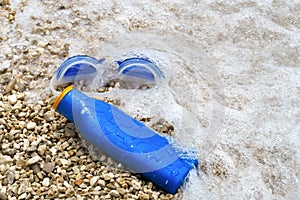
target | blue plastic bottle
[{"x": 126, "y": 140}]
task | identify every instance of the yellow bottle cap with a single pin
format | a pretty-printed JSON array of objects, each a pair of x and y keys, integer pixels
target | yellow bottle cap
[{"x": 61, "y": 96}]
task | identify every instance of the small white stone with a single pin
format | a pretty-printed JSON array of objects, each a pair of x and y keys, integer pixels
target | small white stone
[
  {"x": 31, "y": 125},
  {"x": 53, "y": 150},
  {"x": 108, "y": 176},
  {"x": 33, "y": 160},
  {"x": 97, "y": 188},
  {"x": 46, "y": 182},
  {"x": 49, "y": 116},
  {"x": 6, "y": 63},
  {"x": 114, "y": 193},
  {"x": 66, "y": 184},
  {"x": 83, "y": 186},
  {"x": 22, "y": 114},
  {"x": 23, "y": 196},
  {"x": 18, "y": 106},
  {"x": 5, "y": 146},
  {"x": 12, "y": 99},
  {"x": 16, "y": 146},
  {"x": 101, "y": 182},
  {"x": 36, "y": 142},
  {"x": 64, "y": 161},
  {"x": 136, "y": 185},
  {"x": 2, "y": 121},
  {"x": 103, "y": 158},
  {"x": 94, "y": 180}
]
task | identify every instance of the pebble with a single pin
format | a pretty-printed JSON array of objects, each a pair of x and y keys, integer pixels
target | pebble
[
  {"x": 135, "y": 184},
  {"x": 2, "y": 121},
  {"x": 78, "y": 182},
  {"x": 42, "y": 149},
  {"x": 21, "y": 162},
  {"x": 18, "y": 106},
  {"x": 70, "y": 192},
  {"x": 121, "y": 190},
  {"x": 97, "y": 188},
  {"x": 5, "y": 146},
  {"x": 12, "y": 99},
  {"x": 10, "y": 176},
  {"x": 31, "y": 149},
  {"x": 49, "y": 116},
  {"x": 33, "y": 160},
  {"x": 31, "y": 125},
  {"x": 22, "y": 187},
  {"x": 48, "y": 167},
  {"x": 64, "y": 161},
  {"x": 94, "y": 180},
  {"x": 21, "y": 96},
  {"x": 83, "y": 186},
  {"x": 108, "y": 176},
  {"x": 36, "y": 168},
  {"x": 36, "y": 142},
  {"x": 114, "y": 193},
  {"x": 16, "y": 146},
  {"x": 3, "y": 196},
  {"x": 23, "y": 196},
  {"x": 5, "y": 159},
  {"x": 46, "y": 182},
  {"x": 146, "y": 197},
  {"x": 5, "y": 65},
  {"x": 101, "y": 182},
  {"x": 66, "y": 184},
  {"x": 25, "y": 144},
  {"x": 10, "y": 86}
]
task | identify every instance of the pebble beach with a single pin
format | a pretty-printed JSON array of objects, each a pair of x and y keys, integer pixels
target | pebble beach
[{"x": 253, "y": 47}]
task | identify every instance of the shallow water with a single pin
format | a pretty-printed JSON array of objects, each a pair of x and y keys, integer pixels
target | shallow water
[{"x": 246, "y": 93}]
